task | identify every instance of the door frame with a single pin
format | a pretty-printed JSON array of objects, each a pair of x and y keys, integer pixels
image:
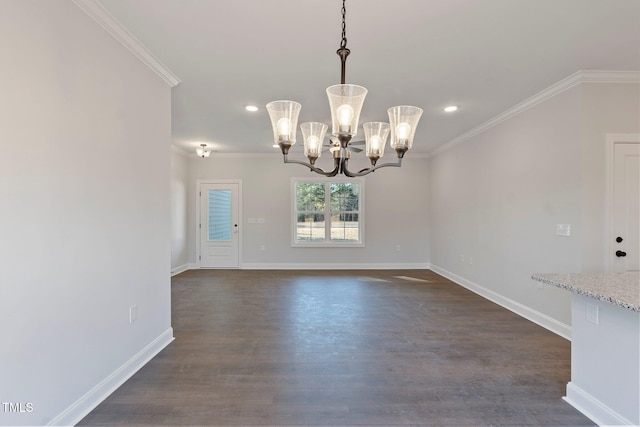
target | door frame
[
  {"x": 612, "y": 140},
  {"x": 199, "y": 183}
]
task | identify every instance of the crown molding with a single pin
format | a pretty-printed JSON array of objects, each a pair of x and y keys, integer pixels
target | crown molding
[
  {"x": 276, "y": 155},
  {"x": 189, "y": 151},
  {"x": 585, "y": 76},
  {"x": 179, "y": 150},
  {"x": 102, "y": 16},
  {"x": 604, "y": 76}
]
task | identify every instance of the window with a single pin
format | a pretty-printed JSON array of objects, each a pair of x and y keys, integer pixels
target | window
[
  {"x": 328, "y": 213},
  {"x": 219, "y": 215}
]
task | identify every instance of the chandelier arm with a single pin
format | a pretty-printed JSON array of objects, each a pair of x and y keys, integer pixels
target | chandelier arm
[
  {"x": 317, "y": 170},
  {"x": 367, "y": 171}
]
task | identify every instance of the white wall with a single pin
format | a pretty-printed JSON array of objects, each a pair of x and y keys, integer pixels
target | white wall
[
  {"x": 606, "y": 108},
  {"x": 497, "y": 197},
  {"x": 395, "y": 212},
  {"x": 179, "y": 184},
  {"x": 84, "y": 211}
]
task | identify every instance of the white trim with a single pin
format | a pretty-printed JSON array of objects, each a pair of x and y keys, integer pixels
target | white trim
[
  {"x": 275, "y": 155},
  {"x": 102, "y": 16},
  {"x": 200, "y": 182},
  {"x": 522, "y": 310},
  {"x": 220, "y": 155},
  {"x": 609, "y": 76},
  {"x": 612, "y": 139},
  {"x": 180, "y": 269},
  {"x": 542, "y": 96},
  {"x": 182, "y": 152},
  {"x": 335, "y": 266},
  {"x": 85, "y": 404},
  {"x": 592, "y": 408}
]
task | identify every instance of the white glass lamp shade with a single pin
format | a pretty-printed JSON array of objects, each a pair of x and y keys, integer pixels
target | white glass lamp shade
[
  {"x": 202, "y": 151},
  {"x": 403, "y": 120},
  {"x": 346, "y": 103},
  {"x": 375, "y": 135},
  {"x": 313, "y": 134},
  {"x": 284, "y": 120}
]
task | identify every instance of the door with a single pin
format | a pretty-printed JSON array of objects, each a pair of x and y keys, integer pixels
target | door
[
  {"x": 625, "y": 244},
  {"x": 219, "y": 225}
]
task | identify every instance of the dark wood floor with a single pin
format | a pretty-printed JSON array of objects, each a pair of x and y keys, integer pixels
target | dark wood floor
[{"x": 338, "y": 348}]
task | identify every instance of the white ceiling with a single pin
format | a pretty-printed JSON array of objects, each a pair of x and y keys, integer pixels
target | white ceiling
[{"x": 483, "y": 55}]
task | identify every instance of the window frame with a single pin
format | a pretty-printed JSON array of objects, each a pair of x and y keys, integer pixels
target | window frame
[{"x": 327, "y": 243}]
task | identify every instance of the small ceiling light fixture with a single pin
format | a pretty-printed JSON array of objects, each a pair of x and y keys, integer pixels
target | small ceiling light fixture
[
  {"x": 451, "y": 108},
  {"x": 251, "y": 108},
  {"x": 345, "y": 102},
  {"x": 202, "y": 151}
]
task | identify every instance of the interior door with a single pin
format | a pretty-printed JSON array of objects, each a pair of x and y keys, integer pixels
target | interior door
[
  {"x": 626, "y": 208},
  {"x": 219, "y": 225}
]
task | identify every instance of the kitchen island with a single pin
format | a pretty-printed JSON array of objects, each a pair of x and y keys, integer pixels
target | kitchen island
[{"x": 605, "y": 344}]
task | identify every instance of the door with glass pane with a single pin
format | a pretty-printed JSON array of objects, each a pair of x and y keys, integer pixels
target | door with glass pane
[{"x": 219, "y": 225}]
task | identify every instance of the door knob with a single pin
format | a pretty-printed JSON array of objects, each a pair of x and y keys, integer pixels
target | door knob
[
  {"x": 619, "y": 239},
  {"x": 621, "y": 254}
]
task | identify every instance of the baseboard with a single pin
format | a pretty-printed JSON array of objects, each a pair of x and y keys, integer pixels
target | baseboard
[
  {"x": 81, "y": 407},
  {"x": 180, "y": 269},
  {"x": 528, "y": 313},
  {"x": 335, "y": 266},
  {"x": 592, "y": 408}
]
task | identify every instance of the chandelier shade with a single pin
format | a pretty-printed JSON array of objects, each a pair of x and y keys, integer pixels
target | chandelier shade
[
  {"x": 284, "y": 121},
  {"x": 313, "y": 134},
  {"x": 403, "y": 120},
  {"x": 345, "y": 102},
  {"x": 375, "y": 136}
]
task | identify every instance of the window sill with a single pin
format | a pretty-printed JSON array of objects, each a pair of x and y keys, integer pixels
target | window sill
[{"x": 328, "y": 245}]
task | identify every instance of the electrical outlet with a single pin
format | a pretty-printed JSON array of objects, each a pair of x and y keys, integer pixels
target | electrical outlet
[
  {"x": 133, "y": 313},
  {"x": 397, "y": 248}
]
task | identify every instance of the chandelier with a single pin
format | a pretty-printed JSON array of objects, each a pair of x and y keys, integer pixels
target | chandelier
[{"x": 345, "y": 102}]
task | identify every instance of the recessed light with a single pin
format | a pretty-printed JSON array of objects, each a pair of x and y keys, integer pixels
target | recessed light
[
  {"x": 451, "y": 108},
  {"x": 251, "y": 108}
]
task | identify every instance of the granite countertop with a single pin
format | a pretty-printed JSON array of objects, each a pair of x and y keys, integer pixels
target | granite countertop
[{"x": 622, "y": 289}]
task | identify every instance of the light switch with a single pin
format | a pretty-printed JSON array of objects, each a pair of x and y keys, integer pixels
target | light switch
[{"x": 563, "y": 230}]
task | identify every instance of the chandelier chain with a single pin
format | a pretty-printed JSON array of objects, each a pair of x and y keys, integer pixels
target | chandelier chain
[
  {"x": 343, "y": 51},
  {"x": 343, "y": 42}
]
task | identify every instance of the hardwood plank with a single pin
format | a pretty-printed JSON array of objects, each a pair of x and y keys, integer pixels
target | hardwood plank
[{"x": 344, "y": 348}]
